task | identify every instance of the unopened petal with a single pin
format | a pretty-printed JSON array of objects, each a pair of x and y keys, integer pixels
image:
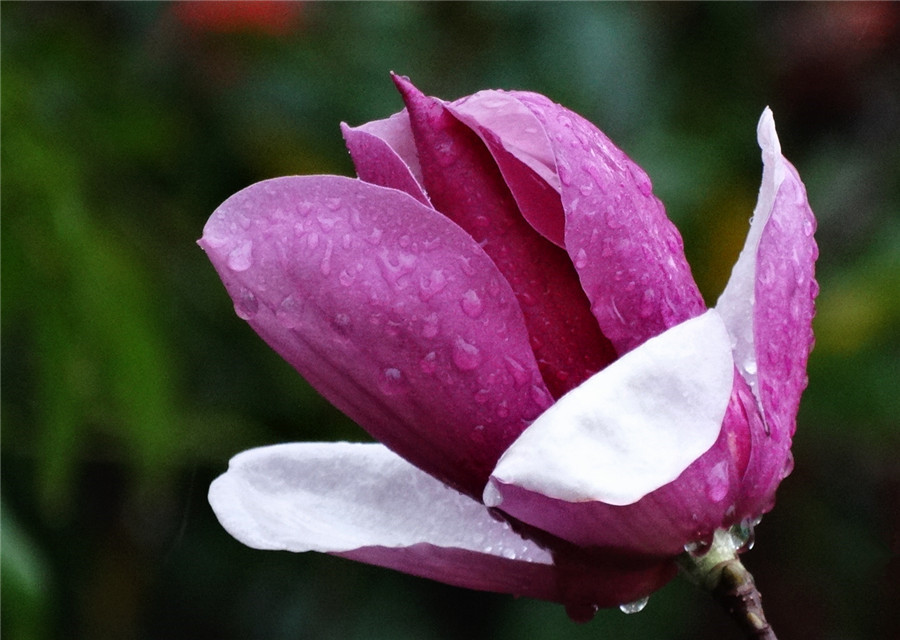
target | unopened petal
[
  {"x": 388, "y": 309},
  {"x": 628, "y": 254},
  {"x": 630, "y": 429},
  {"x": 384, "y": 153},
  {"x": 523, "y": 153}
]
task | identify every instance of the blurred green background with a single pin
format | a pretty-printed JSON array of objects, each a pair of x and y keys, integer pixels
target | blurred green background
[{"x": 128, "y": 382}]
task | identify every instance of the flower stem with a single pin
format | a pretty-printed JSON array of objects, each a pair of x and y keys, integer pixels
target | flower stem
[{"x": 719, "y": 571}]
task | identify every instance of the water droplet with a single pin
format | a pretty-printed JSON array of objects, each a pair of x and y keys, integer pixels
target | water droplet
[
  {"x": 347, "y": 241},
  {"x": 502, "y": 410},
  {"x": 482, "y": 396},
  {"x": 581, "y": 259},
  {"x": 241, "y": 257},
  {"x": 788, "y": 465},
  {"x": 743, "y": 534},
  {"x": 466, "y": 356},
  {"x": 432, "y": 284},
  {"x": 717, "y": 484},
  {"x": 327, "y": 223},
  {"x": 581, "y": 612},
  {"x": 347, "y": 277},
  {"x": 428, "y": 364},
  {"x": 325, "y": 265},
  {"x": 471, "y": 304},
  {"x": 392, "y": 382},
  {"x": 697, "y": 548},
  {"x": 634, "y": 607},
  {"x": 565, "y": 173},
  {"x": 750, "y": 367},
  {"x": 374, "y": 236},
  {"x": 341, "y": 323},
  {"x": 333, "y": 203},
  {"x": 312, "y": 240},
  {"x": 246, "y": 306},
  {"x": 287, "y": 313},
  {"x": 519, "y": 373},
  {"x": 477, "y": 434}
]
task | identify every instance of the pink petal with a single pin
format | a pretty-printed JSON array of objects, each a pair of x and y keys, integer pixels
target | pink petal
[
  {"x": 384, "y": 153},
  {"x": 362, "y": 501},
  {"x": 637, "y": 457},
  {"x": 628, "y": 254},
  {"x": 523, "y": 153},
  {"x": 768, "y": 306},
  {"x": 389, "y": 310},
  {"x": 463, "y": 183}
]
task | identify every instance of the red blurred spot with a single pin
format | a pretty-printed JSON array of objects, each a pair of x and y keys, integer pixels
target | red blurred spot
[{"x": 261, "y": 16}]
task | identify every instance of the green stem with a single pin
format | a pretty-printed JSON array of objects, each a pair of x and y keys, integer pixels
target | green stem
[{"x": 720, "y": 572}]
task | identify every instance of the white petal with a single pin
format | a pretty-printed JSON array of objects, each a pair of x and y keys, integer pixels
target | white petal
[
  {"x": 342, "y": 497},
  {"x": 736, "y": 303},
  {"x": 631, "y": 428}
]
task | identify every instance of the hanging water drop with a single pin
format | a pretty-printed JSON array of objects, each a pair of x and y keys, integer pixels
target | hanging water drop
[
  {"x": 581, "y": 612},
  {"x": 634, "y": 607},
  {"x": 246, "y": 305}
]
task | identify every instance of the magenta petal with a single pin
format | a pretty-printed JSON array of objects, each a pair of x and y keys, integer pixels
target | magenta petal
[
  {"x": 464, "y": 183},
  {"x": 362, "y": 501},
  {"x": 389, "y": 310},
  {"x": 523, "y": 153},
  {"x": 768, "y": 306},
  {"x": 628, "y": 254},
  {"x": 384, "y": 153}
]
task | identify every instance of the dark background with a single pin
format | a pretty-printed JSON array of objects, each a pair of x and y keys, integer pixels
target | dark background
[{"x": 128, "y": 382}]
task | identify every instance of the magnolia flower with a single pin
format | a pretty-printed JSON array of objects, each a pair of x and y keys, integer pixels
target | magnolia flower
[{"x": 501, "y": 301}]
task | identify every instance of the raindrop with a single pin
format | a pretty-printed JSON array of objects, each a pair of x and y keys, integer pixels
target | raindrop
[
  {"x": 241, "y": 256},
  {"x": 391, "y": 381},
  {"x": 788, "y": 465},
  {"x": 743, "y": 534},
  {"x": 333, "y": 203},
  {"x": 581, "y": 612},
  {"x": 325, "y": 265},
  {"x": 471, "y": 304},
  {"x": 634, "y": 607},
  {"x": 287, "y": 313},
  {"x": 477, "y": 434},
  {"x": 517, "y": 370},
  {"x": 466, "y": 356},
  {"x": 246, "y": 306},
  {"x": 428, "y": 364},
  {"x": 581, "y": 259},
  {"x": 697, "y": 548}
]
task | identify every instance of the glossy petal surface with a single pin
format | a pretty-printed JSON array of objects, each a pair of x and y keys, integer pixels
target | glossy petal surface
[
  {"x": 384, "y": 153},
  {"x": 628, "y": 254},
  {"x": 464, "y": 183},
  {"x": 362, "y": 501},
  {"x": 389, "y": 310}
]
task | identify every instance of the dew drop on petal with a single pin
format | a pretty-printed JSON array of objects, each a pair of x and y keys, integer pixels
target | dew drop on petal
[
  {"x": 466, "y": 356},
  {"x": 697, "y": 548},
  {"x": 287, "y": 313},
  {"x": 241, "y": 257},
  {"x": 471, "y": 304},
  {"x": 246, "y": 306},
  {"x": 581, "y": 259},
  {"x": 788, "y": 465},
  {"x": 634, "y": 607},
  {"x": 391, "y": 381}
]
